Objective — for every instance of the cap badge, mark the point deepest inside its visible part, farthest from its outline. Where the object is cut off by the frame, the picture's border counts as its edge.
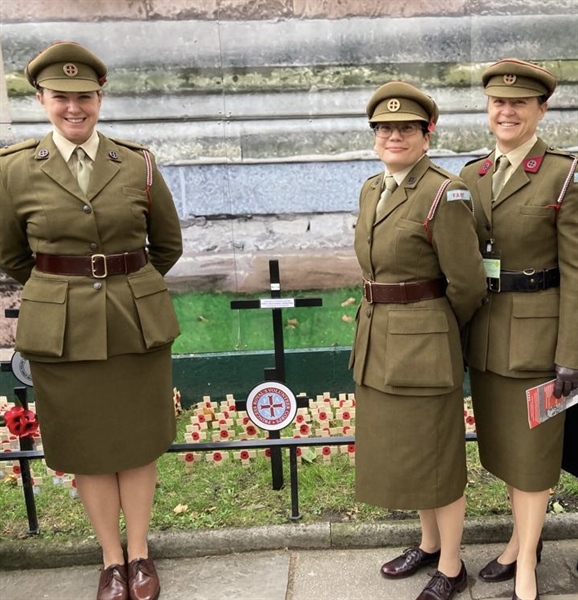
(510, 79)
(70, 70)
(393, 105)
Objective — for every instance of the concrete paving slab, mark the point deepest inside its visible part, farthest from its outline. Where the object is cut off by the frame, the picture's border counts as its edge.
(297, 574)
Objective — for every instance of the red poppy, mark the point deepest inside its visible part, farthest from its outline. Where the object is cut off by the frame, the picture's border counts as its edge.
(245, 420)
(217, 457)
(326, 451)
(351, 448)
(251, 430)
(224, 434)
(299, 452)
(470, 420)
(189, 457)
(244, 455)
(201, 418)
(268, 452)
(346, 416)
(305, 429)
(16, 470)
(20, 421)
(322, 416)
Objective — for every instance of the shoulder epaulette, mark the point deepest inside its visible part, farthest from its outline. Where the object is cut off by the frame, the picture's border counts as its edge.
(127, 144)
(477, 159)
(31, 143)
(559, 152)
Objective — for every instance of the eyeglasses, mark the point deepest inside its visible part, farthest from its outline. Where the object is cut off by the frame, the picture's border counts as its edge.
(385, 130)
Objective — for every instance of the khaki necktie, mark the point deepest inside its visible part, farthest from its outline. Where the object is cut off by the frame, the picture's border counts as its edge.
(390, 185)
(83, 168)
(499, 176)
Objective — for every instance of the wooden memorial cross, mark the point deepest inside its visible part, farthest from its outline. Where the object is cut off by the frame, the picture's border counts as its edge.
(276, 304)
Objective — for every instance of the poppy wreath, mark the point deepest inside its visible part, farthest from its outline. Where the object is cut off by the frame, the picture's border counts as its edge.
(21, 421)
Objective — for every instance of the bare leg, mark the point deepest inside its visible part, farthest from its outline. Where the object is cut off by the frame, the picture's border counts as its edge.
(450, 522)
(430, 535)
(510, 553)
(100, 497)
(137, 490)
(529, 514)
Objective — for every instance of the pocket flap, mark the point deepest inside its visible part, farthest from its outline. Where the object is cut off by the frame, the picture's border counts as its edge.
(535, 305)
(410, 322)
(147, 285)
(45, 290)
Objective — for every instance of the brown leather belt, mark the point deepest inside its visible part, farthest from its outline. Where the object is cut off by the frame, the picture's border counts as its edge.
(403, 293)
(98, 266)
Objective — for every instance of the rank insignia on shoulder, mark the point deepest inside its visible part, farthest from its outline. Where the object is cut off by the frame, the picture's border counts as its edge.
(532, 164)
(485, 167)
(458, 195)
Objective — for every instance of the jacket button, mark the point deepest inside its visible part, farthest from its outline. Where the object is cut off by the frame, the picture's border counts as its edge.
(368, 312)
(97, 285)
(87, 209)
(93, 246)
(369, 239)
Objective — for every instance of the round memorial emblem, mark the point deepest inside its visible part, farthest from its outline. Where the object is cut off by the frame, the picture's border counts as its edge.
(271, 405)
(393, 105)
(21, 369)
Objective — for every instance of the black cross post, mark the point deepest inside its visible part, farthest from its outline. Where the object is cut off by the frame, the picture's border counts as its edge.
(276, 373)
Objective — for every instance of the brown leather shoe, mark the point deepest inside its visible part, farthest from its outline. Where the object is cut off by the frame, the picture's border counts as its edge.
(408, 563)
(143, 581)
(494, 571)
(112, 584)
(442, 587)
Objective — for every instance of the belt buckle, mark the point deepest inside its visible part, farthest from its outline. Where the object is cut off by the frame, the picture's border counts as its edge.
(93, 259)
(368, 294)
(492, 286)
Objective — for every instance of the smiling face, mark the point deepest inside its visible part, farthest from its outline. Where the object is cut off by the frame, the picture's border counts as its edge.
(398, 151)
(73, 114)
(514, 120)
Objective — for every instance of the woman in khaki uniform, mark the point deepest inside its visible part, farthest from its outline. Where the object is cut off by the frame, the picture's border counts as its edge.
(423, 280)
(90, 234)
(526, 334)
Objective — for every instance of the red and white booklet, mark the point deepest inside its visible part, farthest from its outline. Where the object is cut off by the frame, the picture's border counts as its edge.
(542, 404)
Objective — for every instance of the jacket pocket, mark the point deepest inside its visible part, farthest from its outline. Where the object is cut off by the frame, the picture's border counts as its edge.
(42, 317)
(534, 331)
(156, 314)
(418, 352)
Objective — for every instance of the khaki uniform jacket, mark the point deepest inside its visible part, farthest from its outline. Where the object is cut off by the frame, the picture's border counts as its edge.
(42, 209)
(415, 349)
(523, 334)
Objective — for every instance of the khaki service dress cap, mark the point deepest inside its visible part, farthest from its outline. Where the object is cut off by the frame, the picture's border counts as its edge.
(400, 101)
(513, 78)
(66, 67)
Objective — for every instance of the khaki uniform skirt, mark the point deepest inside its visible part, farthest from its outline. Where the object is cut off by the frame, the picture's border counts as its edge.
(410, 451)
(527, 459)
(107, 416)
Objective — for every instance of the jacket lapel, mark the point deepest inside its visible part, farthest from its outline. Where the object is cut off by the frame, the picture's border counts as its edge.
(106, 166)
(54, 166)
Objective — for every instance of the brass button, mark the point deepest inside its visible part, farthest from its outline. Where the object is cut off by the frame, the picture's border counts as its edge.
(97, 285)
(87, 209)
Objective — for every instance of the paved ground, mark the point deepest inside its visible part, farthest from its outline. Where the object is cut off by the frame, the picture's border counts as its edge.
(320, 562)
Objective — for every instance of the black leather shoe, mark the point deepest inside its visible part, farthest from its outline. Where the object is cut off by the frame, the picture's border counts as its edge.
(112, 584)
(495, 571)
(442, 587)
(408, 563)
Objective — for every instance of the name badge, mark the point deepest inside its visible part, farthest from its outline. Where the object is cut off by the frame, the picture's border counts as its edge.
(458, 195)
